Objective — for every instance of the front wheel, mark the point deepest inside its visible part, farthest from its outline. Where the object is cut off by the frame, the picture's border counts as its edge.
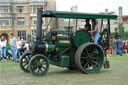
(39, 65)
(24, 60)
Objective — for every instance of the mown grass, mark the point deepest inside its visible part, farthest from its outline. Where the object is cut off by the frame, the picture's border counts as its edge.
(11, 74)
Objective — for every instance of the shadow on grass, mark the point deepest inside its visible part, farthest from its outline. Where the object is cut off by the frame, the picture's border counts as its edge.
(74, 72)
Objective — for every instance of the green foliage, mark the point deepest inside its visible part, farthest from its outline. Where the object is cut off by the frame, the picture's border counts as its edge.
(28, 38)
(121, 29)
(124, 37)
(113, 33)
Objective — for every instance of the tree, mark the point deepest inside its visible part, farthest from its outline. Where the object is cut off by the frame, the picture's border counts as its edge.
(28, 38)
(121, 29)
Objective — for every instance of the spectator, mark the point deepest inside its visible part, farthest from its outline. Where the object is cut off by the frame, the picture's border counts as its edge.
(23, 47)
(18, 46)
(125, 47)
(3, 43)
(127, 44)
(120, 46)
(23, 42)
(13, 46)
(114, 45)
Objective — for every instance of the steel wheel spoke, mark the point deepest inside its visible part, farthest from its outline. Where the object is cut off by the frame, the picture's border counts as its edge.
(40, 70)
(91, 64)
(84, 54)
(86, 64)
(96, 58)
(37, 62)
(25, 64)
(82, 62)
(94, 62)
(87, 51)
(27, 67)
(83, 57)
(43, 67)
(35, 67)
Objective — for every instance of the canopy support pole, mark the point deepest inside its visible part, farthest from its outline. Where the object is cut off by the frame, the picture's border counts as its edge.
(76, 25)
(101, 26)
(109, 26)
(69, 27)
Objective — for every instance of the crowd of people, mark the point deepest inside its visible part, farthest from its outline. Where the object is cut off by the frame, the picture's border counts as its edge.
(118, 46)
(17, 47)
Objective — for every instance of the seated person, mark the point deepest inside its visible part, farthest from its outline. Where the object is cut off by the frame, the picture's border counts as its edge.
(23, 47)
(88, 25)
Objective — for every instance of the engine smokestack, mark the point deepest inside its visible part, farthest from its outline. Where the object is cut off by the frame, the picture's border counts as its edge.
(39, 24)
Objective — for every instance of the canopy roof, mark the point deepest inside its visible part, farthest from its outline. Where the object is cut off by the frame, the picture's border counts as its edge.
(77, 15)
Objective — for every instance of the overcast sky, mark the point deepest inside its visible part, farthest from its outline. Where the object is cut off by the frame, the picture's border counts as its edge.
(93, 6)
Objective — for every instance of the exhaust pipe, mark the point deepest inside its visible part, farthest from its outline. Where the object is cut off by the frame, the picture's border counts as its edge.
(39, 24)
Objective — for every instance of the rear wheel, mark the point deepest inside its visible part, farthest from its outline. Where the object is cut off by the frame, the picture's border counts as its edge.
(89, 57)
(39, 65)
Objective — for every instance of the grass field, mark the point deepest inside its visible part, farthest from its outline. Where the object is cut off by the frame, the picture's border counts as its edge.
(11, 74)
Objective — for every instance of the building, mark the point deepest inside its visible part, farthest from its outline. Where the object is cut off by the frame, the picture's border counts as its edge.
(125, 22)
(121, 19)
(19, 16)
(75, 24)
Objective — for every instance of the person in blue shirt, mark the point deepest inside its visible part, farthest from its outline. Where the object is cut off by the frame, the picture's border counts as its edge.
(95, 31)
(120, 46)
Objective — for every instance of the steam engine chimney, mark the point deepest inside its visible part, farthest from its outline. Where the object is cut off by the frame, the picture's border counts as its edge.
(106, 11)
(120, 9)
(39, 24)
(74, 9)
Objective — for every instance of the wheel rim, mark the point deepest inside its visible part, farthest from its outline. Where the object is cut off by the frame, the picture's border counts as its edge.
(24, 62)
(89, 58)
(39, 65)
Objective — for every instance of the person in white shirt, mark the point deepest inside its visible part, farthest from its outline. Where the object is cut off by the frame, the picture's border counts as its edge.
(3, 43)
(18, 46)
(23, 47)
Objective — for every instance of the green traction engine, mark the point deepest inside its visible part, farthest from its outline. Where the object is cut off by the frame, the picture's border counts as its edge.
(63, 49)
